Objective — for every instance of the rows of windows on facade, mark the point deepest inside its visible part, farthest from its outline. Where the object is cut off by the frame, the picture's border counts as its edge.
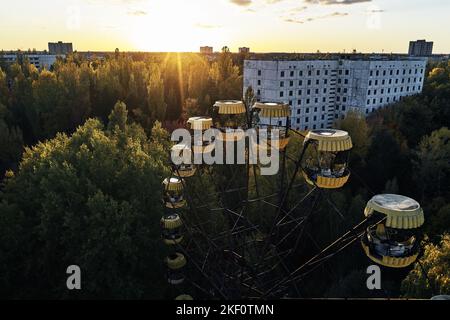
(40, 59)
(321, 92)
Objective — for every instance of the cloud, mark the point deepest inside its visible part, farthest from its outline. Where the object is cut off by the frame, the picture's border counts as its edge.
(242, 3)
(331, 2)
(311, 19)
(138, 13)
(207, 26)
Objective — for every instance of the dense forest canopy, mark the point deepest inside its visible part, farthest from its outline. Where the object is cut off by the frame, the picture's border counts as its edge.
(84, 148)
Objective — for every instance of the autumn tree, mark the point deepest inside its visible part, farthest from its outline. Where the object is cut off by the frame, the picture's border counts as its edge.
(431, 276)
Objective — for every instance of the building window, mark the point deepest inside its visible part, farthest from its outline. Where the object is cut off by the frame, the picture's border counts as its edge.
(292, 73)
(282, 74)
(259, 73)
(281, 84)
(300, 83)
(259, 82)
(281, 94)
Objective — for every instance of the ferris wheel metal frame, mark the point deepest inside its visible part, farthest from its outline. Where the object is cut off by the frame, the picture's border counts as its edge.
(232, 257)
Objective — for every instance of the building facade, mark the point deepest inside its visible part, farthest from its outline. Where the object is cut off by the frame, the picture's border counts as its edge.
(206, 50)
(244, 50)
(60, 48)
(40, 61)
(321, 92)
(420, 48)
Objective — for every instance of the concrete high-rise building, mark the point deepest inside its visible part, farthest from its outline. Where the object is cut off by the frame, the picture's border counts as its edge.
(206, 50)
(244, 50)
(323, 91)
(39, 60)
(60, 48)
(420, 48)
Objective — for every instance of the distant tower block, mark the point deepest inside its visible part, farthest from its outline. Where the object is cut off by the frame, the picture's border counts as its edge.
(244, 50)
(60, 48)
(420, 48)
(206, 50)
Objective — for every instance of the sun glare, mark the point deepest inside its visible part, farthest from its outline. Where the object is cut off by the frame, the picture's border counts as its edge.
(167, 29)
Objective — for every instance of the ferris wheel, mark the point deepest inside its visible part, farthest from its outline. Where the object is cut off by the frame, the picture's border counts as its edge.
(234, 233)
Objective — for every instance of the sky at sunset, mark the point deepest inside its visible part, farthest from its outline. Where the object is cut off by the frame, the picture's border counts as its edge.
(263, 25)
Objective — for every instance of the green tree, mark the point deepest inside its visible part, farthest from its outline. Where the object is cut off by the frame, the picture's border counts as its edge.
(385, 161)
(91, 199)
(11, 146)
(355, 124)
(46, 93)
(433, 164)
(414, 119)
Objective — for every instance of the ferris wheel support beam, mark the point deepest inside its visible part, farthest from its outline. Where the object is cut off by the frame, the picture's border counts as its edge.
(336, 247)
